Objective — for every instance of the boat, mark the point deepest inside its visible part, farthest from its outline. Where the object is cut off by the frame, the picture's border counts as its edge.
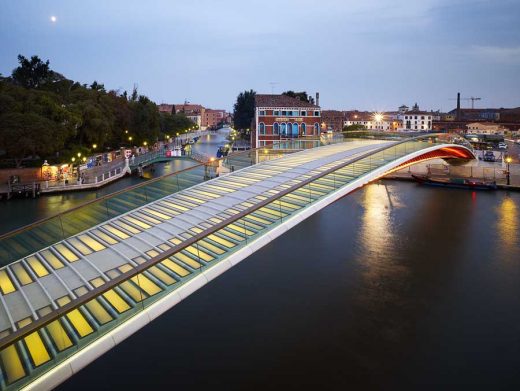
(457, 183)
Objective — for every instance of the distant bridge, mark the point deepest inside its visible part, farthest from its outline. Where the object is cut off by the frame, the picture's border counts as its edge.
(69, 302)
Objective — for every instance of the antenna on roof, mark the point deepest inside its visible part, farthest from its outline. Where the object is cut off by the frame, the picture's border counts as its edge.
(273, 83)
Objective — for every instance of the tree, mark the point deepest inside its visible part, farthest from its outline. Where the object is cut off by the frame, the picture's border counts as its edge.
(31, 73)
(145, 122)
(244, 109)
(300, 95)
(353, 128)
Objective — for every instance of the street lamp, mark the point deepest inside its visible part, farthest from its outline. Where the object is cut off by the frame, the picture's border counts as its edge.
(79, 154)
(73, 159)
(130, 138)
(508, 173)
(145, 143)
(94, 146)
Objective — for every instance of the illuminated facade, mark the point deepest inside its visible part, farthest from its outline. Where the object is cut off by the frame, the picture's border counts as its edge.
(279, 117)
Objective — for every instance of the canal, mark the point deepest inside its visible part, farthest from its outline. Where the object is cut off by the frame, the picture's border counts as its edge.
(395, 286)
(16, 213)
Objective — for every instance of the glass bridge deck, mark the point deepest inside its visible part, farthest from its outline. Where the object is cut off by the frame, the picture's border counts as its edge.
(79, 288)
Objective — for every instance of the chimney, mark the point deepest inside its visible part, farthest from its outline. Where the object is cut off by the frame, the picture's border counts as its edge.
(317, 98)
(458, 106)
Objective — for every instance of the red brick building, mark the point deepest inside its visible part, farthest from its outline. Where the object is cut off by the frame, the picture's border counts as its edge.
(279, 117)
(211, 118)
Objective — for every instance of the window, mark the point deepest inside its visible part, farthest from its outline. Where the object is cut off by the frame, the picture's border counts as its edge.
(303, 128)
(304, 113)
(276, 112)
(261, 112)
(284, 112)
(284, 129)
(316, 128)
(295, 129)
(316, 113)
(422, 117)
(261, 128)
(415, 117)
(276, 128)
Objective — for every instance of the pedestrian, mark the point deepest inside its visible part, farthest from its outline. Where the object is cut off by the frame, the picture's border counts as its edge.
(133, 158)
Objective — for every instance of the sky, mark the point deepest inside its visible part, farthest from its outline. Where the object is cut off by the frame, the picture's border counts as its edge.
(369, 55)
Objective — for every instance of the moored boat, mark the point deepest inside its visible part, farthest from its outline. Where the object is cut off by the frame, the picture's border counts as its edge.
(457, 183)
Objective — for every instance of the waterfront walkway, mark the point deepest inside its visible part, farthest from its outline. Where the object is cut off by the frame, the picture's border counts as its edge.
(70, 302)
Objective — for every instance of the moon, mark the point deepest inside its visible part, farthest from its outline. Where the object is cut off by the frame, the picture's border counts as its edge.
(53, 19)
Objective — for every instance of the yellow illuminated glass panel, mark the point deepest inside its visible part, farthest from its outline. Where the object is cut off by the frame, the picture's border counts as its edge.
(60, 338)
(37, 267)
(222, 241)
(146, 284)
(177, 269)
(92, 243)
(132, 291)
(37, 350)
(74, 242)
(139, 223)
(128, 227)
(116, 301)
(187, 260)
(176, 241)
(147, 218)
(24, 322)
(199, 253)
(21, 274)
(164, 246)
(176, 206)
(63, 301)
(79, 323)
(97, 282)
(6, 285)
(241, 229)
(197, 230)
(67, 254)
(210, 247)
(166, 209)
(52, 259)
(98, 311)
(116, 232)
(103, 236)
(161, 276)
(12, 364)
(231, 235)
(152, 253)
(158, 214)
(125, 268)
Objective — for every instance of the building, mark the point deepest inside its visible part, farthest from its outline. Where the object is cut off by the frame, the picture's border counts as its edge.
(332, 120)
(415, 120)
(485, 128)
(211, 118)
(474, 115)
(383, 122)
(165, 108)
(279, 117)
(194, 112)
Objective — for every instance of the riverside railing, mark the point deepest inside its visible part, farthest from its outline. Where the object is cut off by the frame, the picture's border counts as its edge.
(39, 345)
(33, 237)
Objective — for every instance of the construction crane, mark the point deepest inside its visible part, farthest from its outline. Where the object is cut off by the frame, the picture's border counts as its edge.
(472, 99)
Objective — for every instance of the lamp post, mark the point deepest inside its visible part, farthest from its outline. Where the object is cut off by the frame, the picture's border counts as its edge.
(508, 173)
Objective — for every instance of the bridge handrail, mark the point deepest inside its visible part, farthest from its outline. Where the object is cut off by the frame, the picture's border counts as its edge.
(105, 198)
(45, 320)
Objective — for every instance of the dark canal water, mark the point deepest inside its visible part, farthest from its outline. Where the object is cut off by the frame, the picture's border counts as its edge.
(395, 286)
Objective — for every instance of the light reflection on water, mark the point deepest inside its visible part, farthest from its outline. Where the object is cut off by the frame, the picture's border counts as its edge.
(507, 225)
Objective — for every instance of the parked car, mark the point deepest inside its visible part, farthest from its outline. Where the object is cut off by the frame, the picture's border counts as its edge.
(502, 145)
(489, 156)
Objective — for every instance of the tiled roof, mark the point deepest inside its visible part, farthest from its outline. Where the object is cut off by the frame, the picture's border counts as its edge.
(264, 100)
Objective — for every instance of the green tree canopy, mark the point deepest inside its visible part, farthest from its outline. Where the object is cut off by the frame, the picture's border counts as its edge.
(244, 109)
(300, 95)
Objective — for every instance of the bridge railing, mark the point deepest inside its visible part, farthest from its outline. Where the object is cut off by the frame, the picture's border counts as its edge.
(33, 237)
(36, 346)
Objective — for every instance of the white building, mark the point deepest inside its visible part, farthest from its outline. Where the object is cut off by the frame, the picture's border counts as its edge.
(416, 121)
(485, 128)
(376, 121)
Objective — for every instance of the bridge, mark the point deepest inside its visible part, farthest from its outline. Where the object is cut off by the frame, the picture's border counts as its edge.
(73, 287)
